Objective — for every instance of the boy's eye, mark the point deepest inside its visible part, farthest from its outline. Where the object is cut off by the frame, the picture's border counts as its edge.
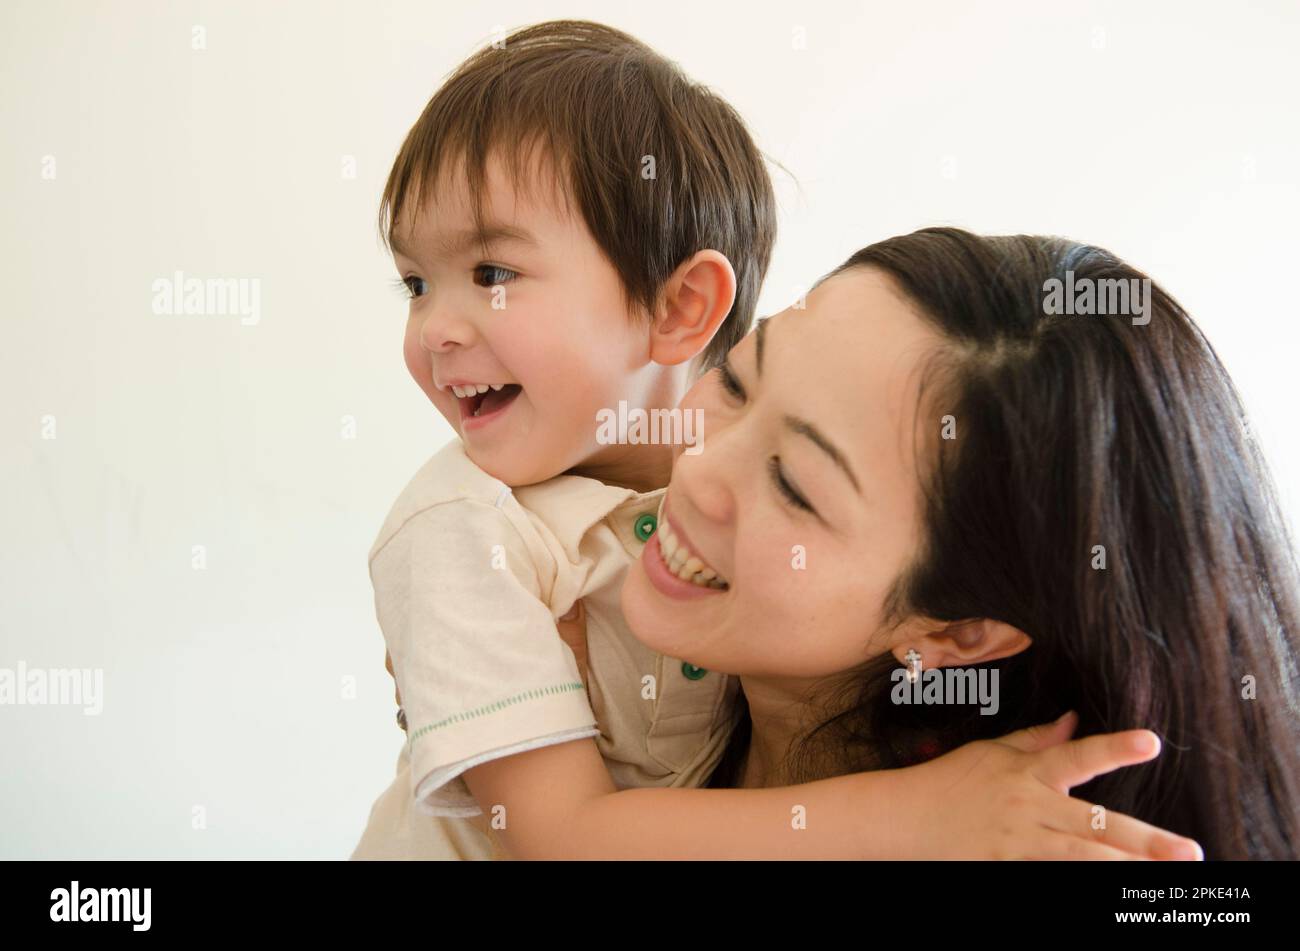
(412, 286)
(489, 275)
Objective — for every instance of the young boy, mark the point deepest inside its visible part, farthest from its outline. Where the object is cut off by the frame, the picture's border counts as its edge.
(580, 227)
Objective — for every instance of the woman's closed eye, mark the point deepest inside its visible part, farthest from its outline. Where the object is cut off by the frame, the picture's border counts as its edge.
(792, 496)
(730, 383)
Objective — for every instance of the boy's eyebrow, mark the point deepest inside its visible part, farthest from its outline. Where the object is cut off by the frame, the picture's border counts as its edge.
(457, 242)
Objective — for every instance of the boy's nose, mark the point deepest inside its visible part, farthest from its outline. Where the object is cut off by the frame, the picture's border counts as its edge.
(443, 331)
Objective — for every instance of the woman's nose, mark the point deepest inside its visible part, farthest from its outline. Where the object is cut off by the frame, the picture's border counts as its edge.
(707, 480)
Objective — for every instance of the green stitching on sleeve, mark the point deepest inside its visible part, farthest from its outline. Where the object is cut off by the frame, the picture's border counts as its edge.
(494, 707)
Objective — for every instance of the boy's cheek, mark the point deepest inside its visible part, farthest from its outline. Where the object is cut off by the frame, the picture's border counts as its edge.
(421, 370)
(417, 361)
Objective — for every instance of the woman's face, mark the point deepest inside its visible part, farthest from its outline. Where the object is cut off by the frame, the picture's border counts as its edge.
(804, 497)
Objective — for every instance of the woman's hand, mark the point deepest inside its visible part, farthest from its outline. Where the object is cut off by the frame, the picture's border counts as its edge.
(573, 631)
(1009, 799)
(388, 665)
(397, 693)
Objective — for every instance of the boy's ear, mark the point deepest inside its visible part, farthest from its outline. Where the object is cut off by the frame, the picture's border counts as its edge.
(960, 643)
(695, 300)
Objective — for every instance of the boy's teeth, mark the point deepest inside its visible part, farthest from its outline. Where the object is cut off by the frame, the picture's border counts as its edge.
(474, 389)
(682, 562)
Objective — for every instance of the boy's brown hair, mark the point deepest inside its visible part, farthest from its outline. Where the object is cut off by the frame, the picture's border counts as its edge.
(600, 109)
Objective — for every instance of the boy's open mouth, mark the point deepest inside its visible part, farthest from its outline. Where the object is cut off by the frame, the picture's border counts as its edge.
(484, 404)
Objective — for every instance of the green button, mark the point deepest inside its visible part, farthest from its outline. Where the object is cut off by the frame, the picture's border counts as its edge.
(645, 526)
(692, 672)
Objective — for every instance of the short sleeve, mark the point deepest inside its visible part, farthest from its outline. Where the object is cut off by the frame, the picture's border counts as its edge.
(482, 670)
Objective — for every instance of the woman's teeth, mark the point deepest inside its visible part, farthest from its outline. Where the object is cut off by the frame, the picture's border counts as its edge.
(473, 389)
(683, 562)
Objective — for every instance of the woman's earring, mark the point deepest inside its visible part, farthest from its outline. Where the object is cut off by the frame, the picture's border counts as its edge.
(913, 665)
(401, 719)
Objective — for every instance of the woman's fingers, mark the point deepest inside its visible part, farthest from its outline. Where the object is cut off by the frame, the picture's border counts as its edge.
(1072, 764)
(1120, 832)
(573, 631)
(1035, 738)
(1068, 848)
(1096, 833)
(388, 665)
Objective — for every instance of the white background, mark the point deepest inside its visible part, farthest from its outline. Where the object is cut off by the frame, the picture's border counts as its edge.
(1166, 132)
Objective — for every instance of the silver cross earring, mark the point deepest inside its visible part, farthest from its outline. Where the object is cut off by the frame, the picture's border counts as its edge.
(913, 665)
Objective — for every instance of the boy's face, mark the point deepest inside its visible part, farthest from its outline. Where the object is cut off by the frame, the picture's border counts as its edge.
(541, 314)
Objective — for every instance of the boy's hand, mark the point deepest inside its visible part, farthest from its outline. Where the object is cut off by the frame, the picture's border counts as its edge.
(1008, 799)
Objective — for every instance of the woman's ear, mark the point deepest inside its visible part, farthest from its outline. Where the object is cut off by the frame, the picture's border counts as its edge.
(958, 643)
(696, 299)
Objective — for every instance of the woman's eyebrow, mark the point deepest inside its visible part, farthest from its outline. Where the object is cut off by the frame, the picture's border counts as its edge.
(804, 428)
(801, 426)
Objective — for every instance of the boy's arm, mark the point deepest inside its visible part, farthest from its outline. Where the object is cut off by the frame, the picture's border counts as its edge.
(1003, 798)
(478, 666)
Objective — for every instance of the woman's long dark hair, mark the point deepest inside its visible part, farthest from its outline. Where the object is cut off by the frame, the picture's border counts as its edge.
(1074, 432)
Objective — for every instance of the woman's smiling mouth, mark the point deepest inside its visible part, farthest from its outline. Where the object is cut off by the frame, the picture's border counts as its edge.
(674, 567)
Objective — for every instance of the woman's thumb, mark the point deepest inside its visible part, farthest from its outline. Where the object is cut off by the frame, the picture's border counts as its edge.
(1035, 738)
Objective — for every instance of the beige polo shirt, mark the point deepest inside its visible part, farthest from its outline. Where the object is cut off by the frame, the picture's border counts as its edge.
(469, 579)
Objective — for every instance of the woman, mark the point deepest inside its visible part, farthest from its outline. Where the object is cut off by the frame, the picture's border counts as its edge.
(931, 465)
